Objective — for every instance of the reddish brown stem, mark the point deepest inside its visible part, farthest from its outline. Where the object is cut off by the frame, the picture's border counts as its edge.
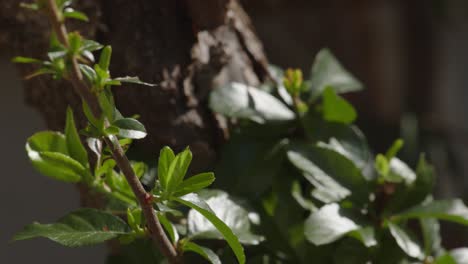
(76, 78)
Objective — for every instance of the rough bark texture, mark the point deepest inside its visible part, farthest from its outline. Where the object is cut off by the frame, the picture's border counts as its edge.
(188, 47)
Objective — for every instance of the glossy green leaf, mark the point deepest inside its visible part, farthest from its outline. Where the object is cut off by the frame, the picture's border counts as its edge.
(366, 235)
(241, 101)
(328, 225)
(135, 80)
(194, 202)
(71, 13)
(166, 156)
(206, 253)
(130, 128)
(178, 169)
(74, 145)
(79, 228)
(195, 183)
(327, 71)
(406, 243)
(333, 175)
(88, 72)
(337, 109)
(91, 45)
(450, 210)
(237, 218)
(327, 189)
(49, 155)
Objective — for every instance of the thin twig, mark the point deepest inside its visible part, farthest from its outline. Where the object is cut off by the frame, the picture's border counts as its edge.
(145, 199)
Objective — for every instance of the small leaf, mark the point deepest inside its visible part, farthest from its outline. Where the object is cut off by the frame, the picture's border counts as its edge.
(305, 203)
(20, 59)
(104, 60)
(91, 45)
(406, 243)
(166, 156)
(327, 71)
(430, 228)
(71, 13)
(136, 80)
(79, 228)
(169, 227)
(394, 149)
(449, 210)
(195, 183)
(178, 169)
(75, 147)
(447, 259)
(382, 165)
(89, 73)
(337, 109)
(130, 128)
(192, 201)
(328, 225)
(240, 101)
(207, 253)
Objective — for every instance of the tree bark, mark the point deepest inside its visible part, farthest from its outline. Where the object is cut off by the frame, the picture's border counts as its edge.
(187, 47)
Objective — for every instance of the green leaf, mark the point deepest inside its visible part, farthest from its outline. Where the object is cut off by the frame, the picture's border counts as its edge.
(49, 155)
(71, 13)
(305, 203)
(91, 45)
(130, 128)
(366, 235)
(382, 165)
(74, 145)
(394, 149)
(327, 189)
(89, 73)
(104, 60)
(194, 202)
(337, 109)
(75, 41)
(136, 80)
(169, 227)
(79, 228)
(207, 253)
(406, 243)
(231, 213)
(327, 71)
(20, 59)
(400, 172)
(166, 156)
(240, 101)
(177, 170)
(430, 228)
(328, 225)
(449, 210)
(195, 183)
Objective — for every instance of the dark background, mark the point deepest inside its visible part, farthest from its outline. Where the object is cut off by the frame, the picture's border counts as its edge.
(411, 55)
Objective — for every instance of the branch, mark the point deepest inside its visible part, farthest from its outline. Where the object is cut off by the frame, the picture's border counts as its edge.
(76, 78)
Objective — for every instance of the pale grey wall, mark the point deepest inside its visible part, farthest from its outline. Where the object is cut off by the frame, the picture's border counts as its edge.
(26, 196)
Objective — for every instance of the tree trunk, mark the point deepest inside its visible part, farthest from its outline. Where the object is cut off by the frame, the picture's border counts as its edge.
(187, 47)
